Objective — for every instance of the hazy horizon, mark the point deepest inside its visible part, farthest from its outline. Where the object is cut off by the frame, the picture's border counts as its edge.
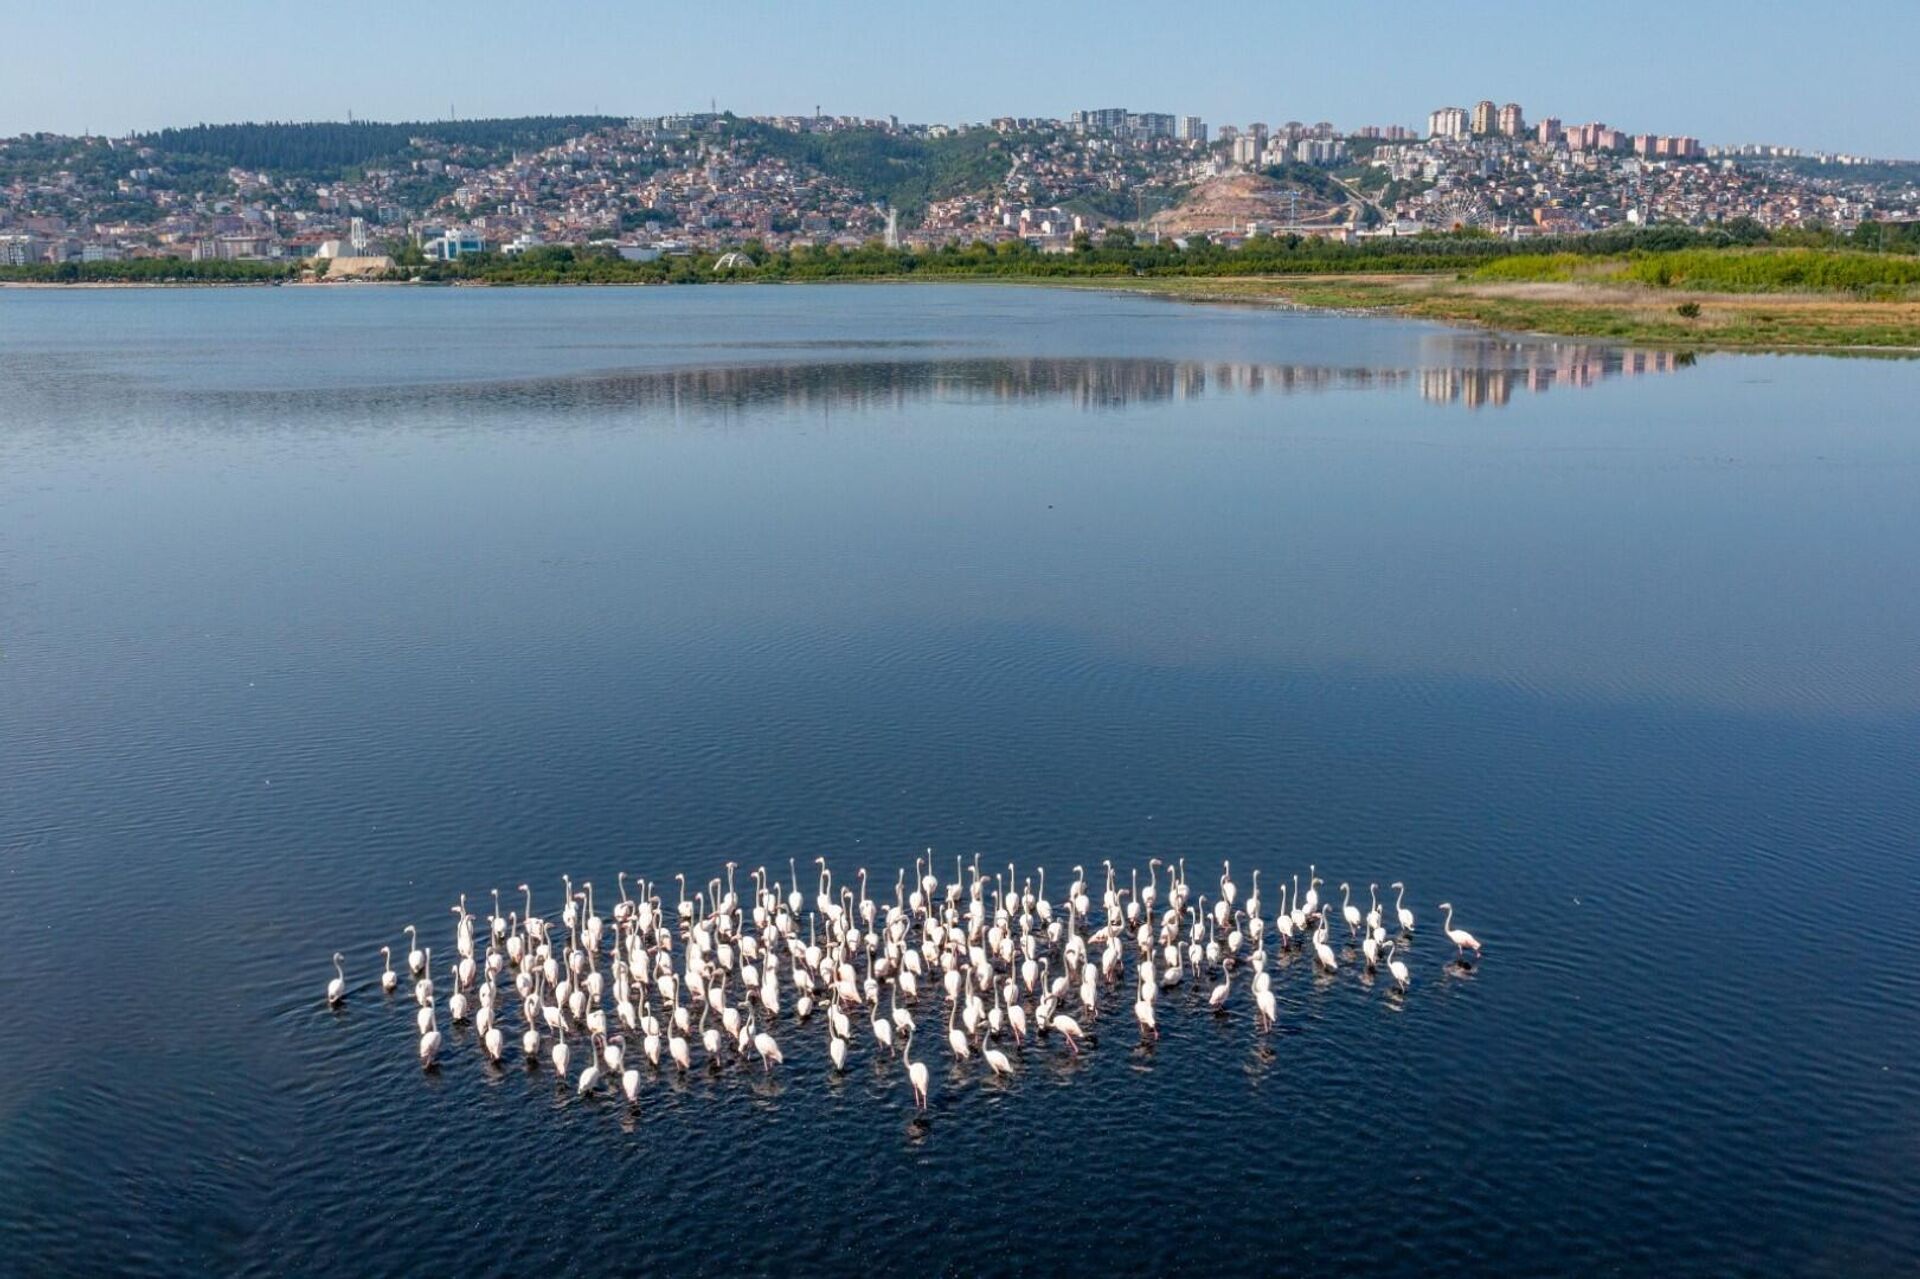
(1720, 75)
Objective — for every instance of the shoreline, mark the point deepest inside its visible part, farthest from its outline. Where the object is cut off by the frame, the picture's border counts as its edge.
(1781, 323)
(145, 284)
(1756, 323)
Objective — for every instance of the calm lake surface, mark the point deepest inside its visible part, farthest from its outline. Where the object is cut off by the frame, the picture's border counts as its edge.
(319, 608)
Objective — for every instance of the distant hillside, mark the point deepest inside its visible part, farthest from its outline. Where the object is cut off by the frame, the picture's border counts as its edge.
(906, 172)
(322, 150)
(1880, 172)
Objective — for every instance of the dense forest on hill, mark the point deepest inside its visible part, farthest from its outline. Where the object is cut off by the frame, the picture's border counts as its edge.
(324, 150)
(906, 172)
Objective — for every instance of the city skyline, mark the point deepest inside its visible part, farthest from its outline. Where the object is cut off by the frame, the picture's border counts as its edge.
(871, 60)
(1510, 120)
(357, 200)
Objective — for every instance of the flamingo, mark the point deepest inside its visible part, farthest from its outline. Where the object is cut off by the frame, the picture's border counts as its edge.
(1349, 911)
(389, 980)
(1397, 968)
(1322, 952)
(423, 989)
(956, 1038)
(765, 1045)
(916, 1072)
(337, 988)
(1143, 1011)
(429, 1047)
(590, 1075)
(1406, 916)
(1463, 940)
(536, 927)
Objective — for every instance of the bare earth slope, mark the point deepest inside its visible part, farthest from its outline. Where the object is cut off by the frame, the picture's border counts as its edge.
(1230, 202)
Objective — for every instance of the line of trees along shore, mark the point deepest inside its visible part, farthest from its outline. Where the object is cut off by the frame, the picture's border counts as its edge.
(152, 271)
(1873, 258)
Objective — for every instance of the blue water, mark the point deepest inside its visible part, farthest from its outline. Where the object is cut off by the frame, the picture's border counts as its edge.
(321, 607)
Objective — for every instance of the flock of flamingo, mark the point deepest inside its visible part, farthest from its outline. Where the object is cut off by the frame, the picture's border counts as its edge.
(1009, 961)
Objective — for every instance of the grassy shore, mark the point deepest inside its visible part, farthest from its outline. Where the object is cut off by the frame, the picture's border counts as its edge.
(1740, 298)
(1617, 310)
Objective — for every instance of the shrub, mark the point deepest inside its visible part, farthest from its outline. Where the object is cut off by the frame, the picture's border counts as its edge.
(1777, 270)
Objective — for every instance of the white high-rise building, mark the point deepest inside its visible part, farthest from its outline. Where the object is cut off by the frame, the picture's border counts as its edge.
(1447, 122)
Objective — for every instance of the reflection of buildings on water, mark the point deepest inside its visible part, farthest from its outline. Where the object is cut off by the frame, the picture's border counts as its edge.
(1102, 383)
(1488, 372)
(1092, 383)
(1472, 372)
(1087, 383)
(1534, 367)
(1285, 379)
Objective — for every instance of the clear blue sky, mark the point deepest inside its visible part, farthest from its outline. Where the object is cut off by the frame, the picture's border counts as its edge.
(1839, 76)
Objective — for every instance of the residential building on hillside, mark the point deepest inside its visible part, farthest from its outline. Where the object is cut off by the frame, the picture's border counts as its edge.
(711, 183)
(1100, 120)
(454, 244)
(1447, 122)
(1149, 124)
